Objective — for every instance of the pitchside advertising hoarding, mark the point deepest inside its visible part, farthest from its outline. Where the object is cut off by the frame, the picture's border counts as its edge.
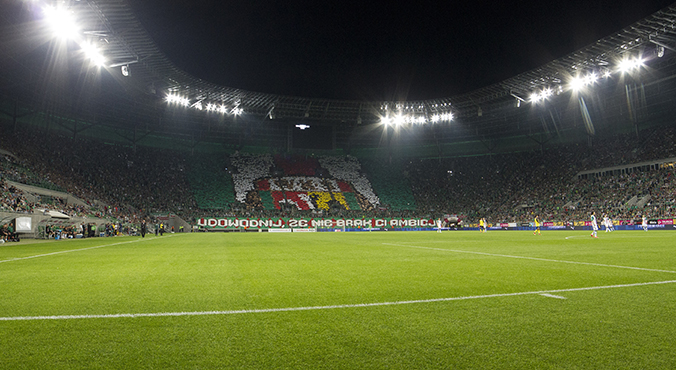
(283, 224)
(316, 223)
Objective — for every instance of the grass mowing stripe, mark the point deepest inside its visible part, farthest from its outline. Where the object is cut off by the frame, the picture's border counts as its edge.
(532, 258)
(70, 250)
(547, 293)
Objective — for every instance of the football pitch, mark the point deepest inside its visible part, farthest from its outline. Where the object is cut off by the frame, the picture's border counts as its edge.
(395, 300)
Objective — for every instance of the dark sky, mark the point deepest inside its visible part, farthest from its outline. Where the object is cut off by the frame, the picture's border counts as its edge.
(376, 50)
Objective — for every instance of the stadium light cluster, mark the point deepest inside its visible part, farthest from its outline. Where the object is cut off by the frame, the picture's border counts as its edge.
(63, 25)
(416, 119)
(93, 53)
(61, 22)
(175, 99)
(580, 82)
(541, 95)
(628, 65)
(201, 105)
(415, 114)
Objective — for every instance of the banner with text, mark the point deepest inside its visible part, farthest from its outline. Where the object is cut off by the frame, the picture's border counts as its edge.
(319, 223)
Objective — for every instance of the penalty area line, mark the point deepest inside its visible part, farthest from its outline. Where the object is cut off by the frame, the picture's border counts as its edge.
(547, 293)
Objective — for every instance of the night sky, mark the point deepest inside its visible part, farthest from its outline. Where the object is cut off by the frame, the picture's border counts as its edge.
(376, 50)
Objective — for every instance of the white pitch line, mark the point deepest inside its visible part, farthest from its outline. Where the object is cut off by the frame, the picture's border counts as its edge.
(315, 308)
(533, 258)
(623, 236)
(552, 296)
(69, 251)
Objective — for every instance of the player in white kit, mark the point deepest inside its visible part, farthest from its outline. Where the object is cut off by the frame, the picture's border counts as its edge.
(595, 225)
(644, 223)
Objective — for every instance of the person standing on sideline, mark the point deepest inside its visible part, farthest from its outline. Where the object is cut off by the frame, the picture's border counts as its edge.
(606, 222)
(144, 229)
(537, 223)
(438, 225)
(481, 225)
(644, 223)
(595, 225)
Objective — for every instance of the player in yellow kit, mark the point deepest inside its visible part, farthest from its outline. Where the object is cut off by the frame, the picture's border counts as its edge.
(537, 223)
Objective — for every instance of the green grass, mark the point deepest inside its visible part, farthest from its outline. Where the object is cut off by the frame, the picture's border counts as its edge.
(622, 327)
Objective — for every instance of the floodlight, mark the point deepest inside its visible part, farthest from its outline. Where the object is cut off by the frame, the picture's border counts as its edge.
(638, 63)
(576, 84)
(125, 71)
(302, 126)
(171, 98)
(436, 118)
(627, 65)
(385, 121)
(61, 22)
(93, 54)
(237, 111)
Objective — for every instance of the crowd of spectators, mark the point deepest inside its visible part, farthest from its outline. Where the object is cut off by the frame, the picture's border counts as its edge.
(126, 183)
(13, 199)
(132, 184)
(210, 182)
(515, 187)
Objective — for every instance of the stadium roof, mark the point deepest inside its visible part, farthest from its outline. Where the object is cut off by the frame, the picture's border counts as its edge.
(113, 27)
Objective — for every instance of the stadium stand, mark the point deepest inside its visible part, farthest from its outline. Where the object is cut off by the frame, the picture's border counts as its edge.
(391, 184)
(325, 184)
(132, 184)
(211, 185)
(513, 187)
(136, 147)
